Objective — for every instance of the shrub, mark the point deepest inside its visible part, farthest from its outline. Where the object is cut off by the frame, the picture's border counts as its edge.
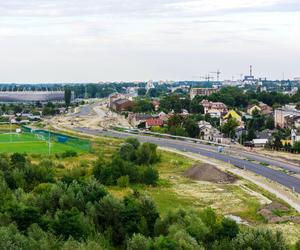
(69, 153)
(123, 181)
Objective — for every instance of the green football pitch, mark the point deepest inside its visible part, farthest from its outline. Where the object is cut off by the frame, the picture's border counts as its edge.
(29, 143)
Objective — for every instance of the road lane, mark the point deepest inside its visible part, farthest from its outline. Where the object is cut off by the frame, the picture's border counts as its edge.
(274, 175)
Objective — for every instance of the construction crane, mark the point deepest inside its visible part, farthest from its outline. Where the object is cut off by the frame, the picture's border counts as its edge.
(207, 77)
(218, 73)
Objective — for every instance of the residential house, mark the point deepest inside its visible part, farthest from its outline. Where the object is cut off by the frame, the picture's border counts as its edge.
(233, 114)
(138, 119)
(154, 122)
(121, 105)
(156, 104)
(295, 136)
(114, 97)
(163, 116)
(265, 109)
(215, 109)
(252, 108)
(209, 133)
(259, 142)
(261, 107)
(265, 134)
(184, 112)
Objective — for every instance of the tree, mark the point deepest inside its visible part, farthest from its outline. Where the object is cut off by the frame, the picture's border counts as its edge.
(142, 92)
(251, 134)
(147, 154)
(296, 146)
(229, 127)
(139, 242)
(70, 223)
(164, 243)
(229, 229)
(270, 124)
(142, 106)
(149, 175)
(127, 152)
(18, 160)
(123, 181)
(196, 107)
(175, 121)
(153, 92)
(133, 141)
(192, 128)
(297, 247)
(259, 239)
(68, 96)
(277, 141)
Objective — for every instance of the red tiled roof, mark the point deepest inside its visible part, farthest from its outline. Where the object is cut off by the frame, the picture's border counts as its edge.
(154, 122)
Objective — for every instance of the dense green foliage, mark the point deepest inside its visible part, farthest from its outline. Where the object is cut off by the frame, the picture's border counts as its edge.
(45, 207)
(235, 97)
(133, 161)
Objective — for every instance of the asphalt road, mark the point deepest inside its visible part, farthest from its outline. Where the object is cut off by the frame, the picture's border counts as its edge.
(211, 152)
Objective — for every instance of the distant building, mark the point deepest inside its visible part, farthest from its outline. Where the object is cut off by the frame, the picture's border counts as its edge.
(149, 85)
(121, 105)
(265, 134)
(209, 133)
(154, 122)
(252, 108)
(265, 109)
(33, 96)
(215, 109)
(202, 92)
(114, 97)
(261, 107)
(259, 142)
(285, 116)
(156, 104)
(137, 119)
(295, 136)
(233, 114)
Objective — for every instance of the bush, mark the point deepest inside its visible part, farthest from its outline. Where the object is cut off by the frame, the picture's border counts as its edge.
(123, 181)
(133, 141)
(139, 242)
(69, 153)
(147, 154)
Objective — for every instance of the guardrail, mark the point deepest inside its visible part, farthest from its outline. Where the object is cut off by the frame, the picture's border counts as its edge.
(183, 138)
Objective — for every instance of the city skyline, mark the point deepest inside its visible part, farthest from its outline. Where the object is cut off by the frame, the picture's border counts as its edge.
(101, 40)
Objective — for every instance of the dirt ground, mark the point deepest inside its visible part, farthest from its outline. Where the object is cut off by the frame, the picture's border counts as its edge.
(275, 213)
(207, 172)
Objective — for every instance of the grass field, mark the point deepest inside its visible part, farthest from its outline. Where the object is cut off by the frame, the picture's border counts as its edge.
(28, 143)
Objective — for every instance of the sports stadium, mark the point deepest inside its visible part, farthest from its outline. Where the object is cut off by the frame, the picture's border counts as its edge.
(31, 96)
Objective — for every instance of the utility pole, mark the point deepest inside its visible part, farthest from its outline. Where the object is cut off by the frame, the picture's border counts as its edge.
(10, 131)
(49, 141)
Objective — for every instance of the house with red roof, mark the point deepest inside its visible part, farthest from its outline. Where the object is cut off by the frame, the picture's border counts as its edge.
(153, 122)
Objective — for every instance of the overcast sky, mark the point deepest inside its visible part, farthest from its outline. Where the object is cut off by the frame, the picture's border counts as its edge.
(123, 40)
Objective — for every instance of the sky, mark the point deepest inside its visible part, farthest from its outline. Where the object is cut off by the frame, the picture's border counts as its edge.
(127, 40)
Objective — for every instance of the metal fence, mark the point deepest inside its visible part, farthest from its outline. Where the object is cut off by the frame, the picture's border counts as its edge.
(46, 135)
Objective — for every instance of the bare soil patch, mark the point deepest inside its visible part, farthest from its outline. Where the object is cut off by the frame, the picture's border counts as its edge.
(207, 172)
(276, 213)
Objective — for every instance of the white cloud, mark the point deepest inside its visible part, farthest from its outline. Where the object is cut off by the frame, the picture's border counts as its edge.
(96, 40)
